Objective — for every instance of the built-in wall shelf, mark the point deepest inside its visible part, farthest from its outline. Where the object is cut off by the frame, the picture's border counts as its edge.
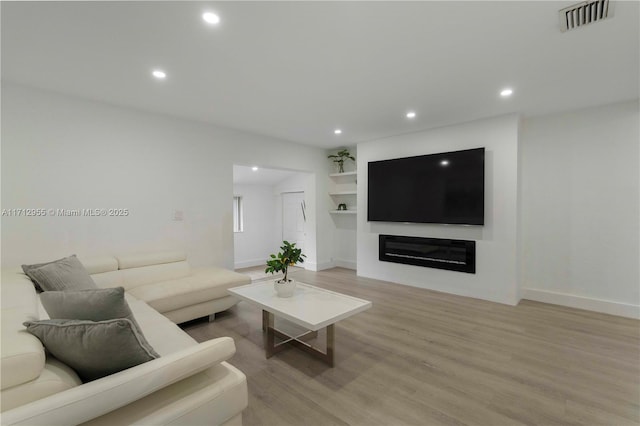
(343, 193)
(353, 173)
(343, 189)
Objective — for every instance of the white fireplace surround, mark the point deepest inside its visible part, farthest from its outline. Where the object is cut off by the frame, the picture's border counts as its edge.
(496, 276)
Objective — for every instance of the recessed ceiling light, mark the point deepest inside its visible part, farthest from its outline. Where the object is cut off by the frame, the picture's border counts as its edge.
(506, 93)
(159, 74)
(254, 168)
(444, 163)
(337, 131)
(411, 114)
(211, 18)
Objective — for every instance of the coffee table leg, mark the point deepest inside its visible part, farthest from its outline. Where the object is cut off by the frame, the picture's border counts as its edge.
(269, 335)
(331, 333)
(270, 347)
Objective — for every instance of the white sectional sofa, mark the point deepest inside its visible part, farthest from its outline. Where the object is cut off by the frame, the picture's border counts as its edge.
(166, 281)
(190, 384)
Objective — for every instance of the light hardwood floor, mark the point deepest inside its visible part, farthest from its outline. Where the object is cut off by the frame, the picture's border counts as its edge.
(419, 357)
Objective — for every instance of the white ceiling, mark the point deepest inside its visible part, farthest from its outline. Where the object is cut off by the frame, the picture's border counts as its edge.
(297, 70)
(246, 176)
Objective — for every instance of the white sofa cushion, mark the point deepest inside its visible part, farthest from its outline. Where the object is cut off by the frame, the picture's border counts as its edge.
(205, 284)
(22, 354)
(55, 377)
(100, 264)
(83, 403)
(201, 309)
(18, 292)
(109, 279)
(137, 260)
(135, 277)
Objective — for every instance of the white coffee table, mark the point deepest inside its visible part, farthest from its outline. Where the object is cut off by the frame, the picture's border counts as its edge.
(310, 307)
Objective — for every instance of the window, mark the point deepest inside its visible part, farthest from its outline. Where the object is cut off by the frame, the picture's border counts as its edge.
(237, 214)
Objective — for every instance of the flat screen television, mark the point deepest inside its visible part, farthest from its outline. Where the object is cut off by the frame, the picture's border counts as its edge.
(439, 188)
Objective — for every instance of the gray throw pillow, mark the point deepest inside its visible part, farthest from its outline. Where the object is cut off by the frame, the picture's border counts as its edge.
(93, 349)
(91, 305)
(59, 275)
(27, 268)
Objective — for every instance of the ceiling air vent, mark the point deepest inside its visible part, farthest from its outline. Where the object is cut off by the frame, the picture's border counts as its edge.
(584, 13)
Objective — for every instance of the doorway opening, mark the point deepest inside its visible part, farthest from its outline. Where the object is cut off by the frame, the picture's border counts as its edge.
(271, 206)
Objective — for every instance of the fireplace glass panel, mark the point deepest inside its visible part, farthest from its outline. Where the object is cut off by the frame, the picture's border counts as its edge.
(455, 255)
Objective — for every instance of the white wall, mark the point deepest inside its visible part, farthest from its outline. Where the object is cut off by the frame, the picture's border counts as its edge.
(63, 152)
(581, 214)
(345, 241)
(253, 245)
(496, 276)
(296, 183)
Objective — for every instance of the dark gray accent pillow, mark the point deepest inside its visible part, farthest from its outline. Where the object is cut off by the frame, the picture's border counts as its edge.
(91, 305)
(59, 275)
(93, 349)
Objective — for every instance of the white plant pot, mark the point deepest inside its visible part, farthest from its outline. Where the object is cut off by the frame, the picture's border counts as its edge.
(284, 289)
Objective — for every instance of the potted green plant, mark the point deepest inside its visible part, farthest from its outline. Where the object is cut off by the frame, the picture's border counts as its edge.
(340, 157)
(289, 255)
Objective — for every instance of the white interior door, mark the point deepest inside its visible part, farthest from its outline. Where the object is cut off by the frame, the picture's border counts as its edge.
(293, 218)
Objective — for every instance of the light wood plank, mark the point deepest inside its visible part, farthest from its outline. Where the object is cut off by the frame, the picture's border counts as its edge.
(420, 357)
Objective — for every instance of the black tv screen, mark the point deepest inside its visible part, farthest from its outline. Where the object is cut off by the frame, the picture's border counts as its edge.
(437, 188)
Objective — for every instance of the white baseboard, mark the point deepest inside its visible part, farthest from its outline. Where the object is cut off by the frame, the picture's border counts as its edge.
(348, 264)
(319, 266)
(249, 263)
(581, 302)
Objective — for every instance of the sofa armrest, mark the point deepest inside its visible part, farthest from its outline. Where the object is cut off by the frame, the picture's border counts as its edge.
(101, 396)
